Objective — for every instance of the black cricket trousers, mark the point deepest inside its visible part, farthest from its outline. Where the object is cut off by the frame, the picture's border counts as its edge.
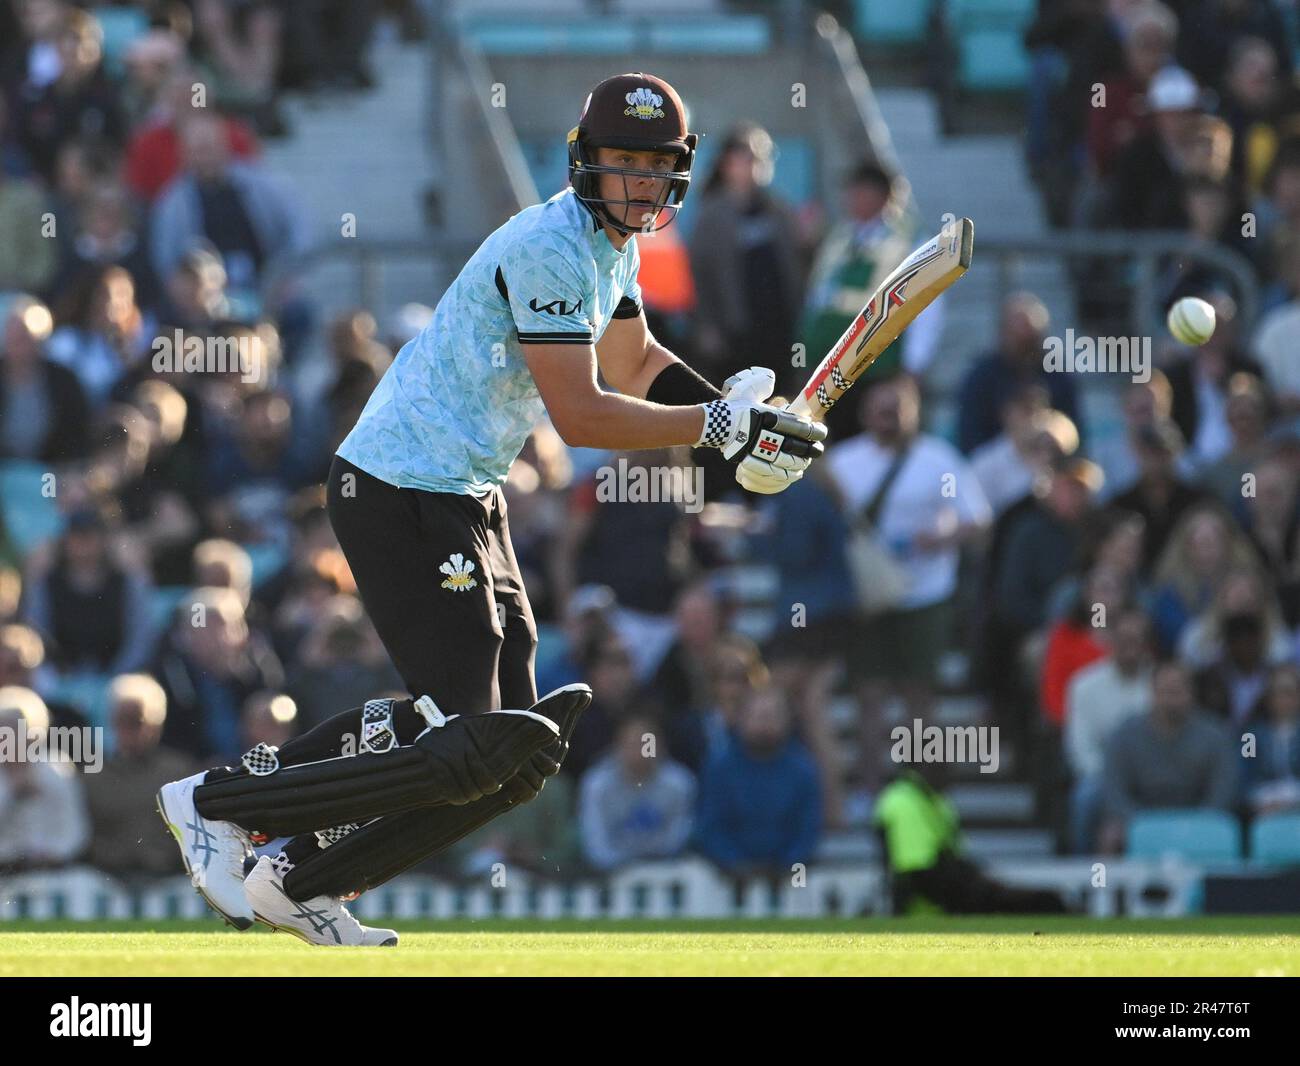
(438, 576)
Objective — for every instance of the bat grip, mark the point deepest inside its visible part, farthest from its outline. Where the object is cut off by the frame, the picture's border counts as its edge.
(799, 406)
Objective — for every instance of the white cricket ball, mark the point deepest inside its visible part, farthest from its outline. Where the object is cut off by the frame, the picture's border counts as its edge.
(1191, 321)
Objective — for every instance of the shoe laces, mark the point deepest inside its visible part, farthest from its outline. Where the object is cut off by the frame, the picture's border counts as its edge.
(334, 906)
(234, 849)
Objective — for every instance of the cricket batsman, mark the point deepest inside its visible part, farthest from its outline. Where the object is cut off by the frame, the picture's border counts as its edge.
(415, 499)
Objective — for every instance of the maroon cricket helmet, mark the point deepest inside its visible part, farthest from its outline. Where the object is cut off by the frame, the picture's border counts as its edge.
(641, 113)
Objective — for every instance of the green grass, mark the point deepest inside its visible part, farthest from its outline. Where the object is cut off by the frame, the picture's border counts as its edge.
(960, 947)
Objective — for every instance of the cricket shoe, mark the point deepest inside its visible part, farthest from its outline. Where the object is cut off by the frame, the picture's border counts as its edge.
(321, 920)
(213, 851)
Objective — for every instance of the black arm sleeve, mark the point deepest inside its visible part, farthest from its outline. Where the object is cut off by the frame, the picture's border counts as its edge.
(677, 385)
(627, 308)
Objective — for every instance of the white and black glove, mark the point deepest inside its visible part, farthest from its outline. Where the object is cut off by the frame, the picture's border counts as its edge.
(772, 447)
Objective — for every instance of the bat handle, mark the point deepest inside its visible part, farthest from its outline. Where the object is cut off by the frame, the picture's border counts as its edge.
(799, 406)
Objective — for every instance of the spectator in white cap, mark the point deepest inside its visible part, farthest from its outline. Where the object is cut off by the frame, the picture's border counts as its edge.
(1274, 341)
(125, 840)
(1149, 32)
(1145, 184)
(43, 820)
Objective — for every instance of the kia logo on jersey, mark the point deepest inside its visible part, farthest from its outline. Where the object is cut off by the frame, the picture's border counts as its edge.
(555, 307)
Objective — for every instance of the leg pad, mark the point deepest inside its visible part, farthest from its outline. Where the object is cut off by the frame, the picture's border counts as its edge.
(378, 852)
(457, 761)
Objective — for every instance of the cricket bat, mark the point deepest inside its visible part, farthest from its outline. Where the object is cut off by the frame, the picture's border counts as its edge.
(908, 291)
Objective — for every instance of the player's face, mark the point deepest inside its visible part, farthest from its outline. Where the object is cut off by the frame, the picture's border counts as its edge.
(642, 192)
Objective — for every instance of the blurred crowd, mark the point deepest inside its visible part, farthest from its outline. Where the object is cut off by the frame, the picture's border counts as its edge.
(1177, 117)
(1184, 116)
(1124, 606)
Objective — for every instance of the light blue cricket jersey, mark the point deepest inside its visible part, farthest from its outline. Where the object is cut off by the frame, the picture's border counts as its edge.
(449, 417)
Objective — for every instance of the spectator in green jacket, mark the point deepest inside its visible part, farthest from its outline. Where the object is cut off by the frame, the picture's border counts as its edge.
(871, 238)
(27, 255)
(922, 838)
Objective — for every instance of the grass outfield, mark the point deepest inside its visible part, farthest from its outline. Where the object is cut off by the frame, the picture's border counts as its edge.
(1256, 946)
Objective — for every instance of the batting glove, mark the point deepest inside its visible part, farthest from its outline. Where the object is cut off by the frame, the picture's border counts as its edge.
(771, 446)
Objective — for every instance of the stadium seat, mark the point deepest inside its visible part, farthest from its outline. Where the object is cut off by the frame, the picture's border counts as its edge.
(86, 691)
(891, 21)
(521, 37)
(548, 163)
(30, 515)
(796, 169)
(163, 602)
(712, 35)
(729, 35)
(121, 26)
(551, 646)
(1020, 12)
(462, 12)
(992, 61)
(1275, 839)
(989, 34)
(1195, 835)
(267, 559)
(663, 9)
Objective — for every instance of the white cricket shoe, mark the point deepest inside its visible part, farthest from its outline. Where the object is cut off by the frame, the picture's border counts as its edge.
(213, 851)
(321, 920)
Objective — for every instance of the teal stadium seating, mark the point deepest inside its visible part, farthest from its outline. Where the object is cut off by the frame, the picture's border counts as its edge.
(727, 35)
(891, 21)
(31, 515)
(1290, 15)
(121, 26)
(989, 38)
(1275, 839)
(713, 35)
(522, 37)
(163, 602)
(1194, 835)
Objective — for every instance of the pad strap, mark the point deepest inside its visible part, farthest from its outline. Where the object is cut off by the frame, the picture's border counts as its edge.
(326, 837)
(377, 732)
(261, 760)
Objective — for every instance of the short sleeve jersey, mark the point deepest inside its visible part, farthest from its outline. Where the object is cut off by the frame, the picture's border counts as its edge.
(456, 406)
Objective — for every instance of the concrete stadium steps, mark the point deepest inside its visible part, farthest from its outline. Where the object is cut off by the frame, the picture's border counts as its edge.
(987, 844)
(993, 803)
(368, 154)
(983, 845)
(981, 176)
